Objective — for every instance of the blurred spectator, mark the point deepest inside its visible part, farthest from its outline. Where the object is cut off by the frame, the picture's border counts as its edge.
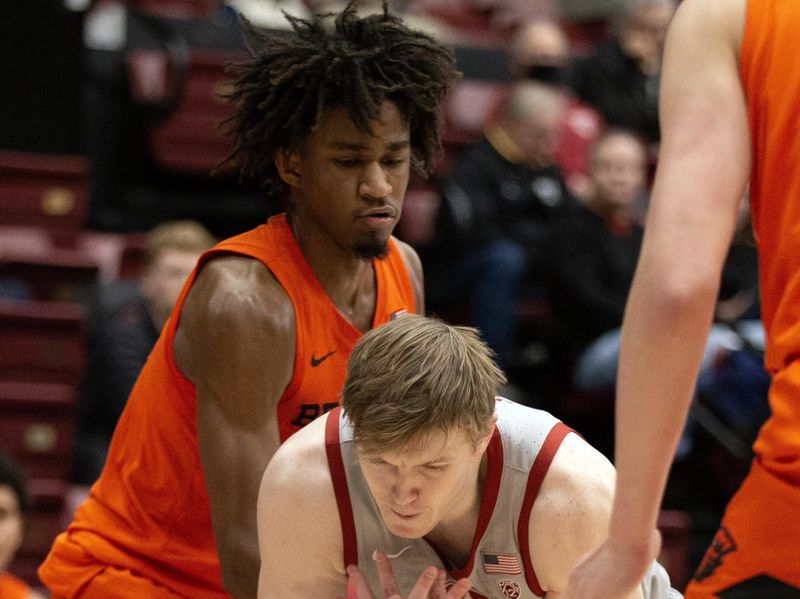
(483, 21)
(499, 200)
(592, 254)
(621, 79)
(125, 319)
(739, 285)
(540, 51)
(736, 384)
(14, 504)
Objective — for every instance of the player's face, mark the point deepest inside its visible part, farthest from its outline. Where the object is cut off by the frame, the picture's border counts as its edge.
(426, 484)
(10, 526)
(348, 186)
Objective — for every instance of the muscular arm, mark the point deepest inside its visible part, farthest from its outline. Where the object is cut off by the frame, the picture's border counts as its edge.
(703, 169)
(235, 342)
(570, 515)
(299, 531)
(414, 268)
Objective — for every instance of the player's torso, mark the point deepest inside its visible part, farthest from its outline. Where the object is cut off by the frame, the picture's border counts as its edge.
(497, 565)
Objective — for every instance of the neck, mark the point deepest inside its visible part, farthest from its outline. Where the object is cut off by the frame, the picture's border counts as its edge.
(349, 281)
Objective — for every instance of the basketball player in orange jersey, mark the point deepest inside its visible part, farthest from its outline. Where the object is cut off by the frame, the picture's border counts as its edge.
(730, 101)
(330, 118)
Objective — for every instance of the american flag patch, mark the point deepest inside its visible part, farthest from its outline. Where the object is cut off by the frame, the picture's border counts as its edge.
(397, 314)
(501, 563)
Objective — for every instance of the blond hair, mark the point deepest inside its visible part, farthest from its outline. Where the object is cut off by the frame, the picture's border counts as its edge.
(414, 376)
(180, 235)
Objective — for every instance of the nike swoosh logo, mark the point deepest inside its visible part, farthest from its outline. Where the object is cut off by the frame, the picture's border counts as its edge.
(317, 361)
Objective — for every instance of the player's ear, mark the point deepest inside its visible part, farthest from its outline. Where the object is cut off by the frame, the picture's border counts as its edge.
(483, 443)
(288, 164)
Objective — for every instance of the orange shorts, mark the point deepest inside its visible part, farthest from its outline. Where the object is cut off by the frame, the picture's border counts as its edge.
(756, 551)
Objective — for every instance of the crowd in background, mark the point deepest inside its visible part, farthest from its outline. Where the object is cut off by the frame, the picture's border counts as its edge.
(534, 229)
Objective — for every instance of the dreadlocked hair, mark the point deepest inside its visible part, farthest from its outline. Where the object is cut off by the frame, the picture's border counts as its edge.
(281, 91)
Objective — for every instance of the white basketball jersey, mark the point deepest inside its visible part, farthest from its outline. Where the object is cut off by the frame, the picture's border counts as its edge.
(519, 454)
(499, 564)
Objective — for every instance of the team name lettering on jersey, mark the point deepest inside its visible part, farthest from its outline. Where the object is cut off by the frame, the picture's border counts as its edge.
(309, 412)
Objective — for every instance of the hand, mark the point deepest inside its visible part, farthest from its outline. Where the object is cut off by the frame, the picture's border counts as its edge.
(612, 571)
(429, 585)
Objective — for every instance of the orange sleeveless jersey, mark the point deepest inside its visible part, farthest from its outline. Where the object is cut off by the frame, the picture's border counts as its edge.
(770, 73)
(12, 587)
(148, 514)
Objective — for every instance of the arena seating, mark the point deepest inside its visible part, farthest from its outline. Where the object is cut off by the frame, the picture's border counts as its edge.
(189, 139)
(46, 191)
(41, 358)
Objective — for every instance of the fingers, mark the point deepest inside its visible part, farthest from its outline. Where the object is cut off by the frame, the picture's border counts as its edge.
(431, 584)
(357, 586)
(439, 590)
(424, 583)
(459, 589)
(386, 575)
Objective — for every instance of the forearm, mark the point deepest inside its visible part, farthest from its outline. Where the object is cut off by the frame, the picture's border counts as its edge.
(663, 338)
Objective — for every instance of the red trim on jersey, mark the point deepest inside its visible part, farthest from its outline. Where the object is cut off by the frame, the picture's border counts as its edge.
(535, 477)
(491, 489)
(339, 478)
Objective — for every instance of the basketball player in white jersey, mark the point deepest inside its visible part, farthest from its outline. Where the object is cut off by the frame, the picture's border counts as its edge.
(426, 466)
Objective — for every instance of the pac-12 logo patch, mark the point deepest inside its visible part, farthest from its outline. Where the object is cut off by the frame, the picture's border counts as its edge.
(509, 588)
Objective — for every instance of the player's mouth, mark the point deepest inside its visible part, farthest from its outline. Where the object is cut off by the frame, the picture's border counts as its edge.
(404, 516)
(384, 214)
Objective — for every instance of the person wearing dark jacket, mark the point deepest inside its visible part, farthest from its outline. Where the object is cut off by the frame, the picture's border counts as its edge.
(591, 256)
(125, 319)
(621, 79)
(499, 201)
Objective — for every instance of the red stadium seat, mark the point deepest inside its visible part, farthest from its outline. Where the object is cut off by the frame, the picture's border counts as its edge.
(51, 274)
(189, 140)
(45, 191)
(176, 8)
(37, 427)
(41, 348)
(41, 359)
(41, 342)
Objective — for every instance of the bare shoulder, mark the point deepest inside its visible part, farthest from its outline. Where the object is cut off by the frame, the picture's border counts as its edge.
(298, 520)
(235, 305)
(299, 469)
(571, 514)
(236, 287)
(579, 483)
(414, 268)
(722, 19)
